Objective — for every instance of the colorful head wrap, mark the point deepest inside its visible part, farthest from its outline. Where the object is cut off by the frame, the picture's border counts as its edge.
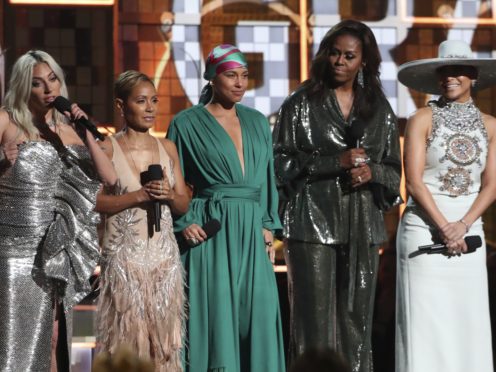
(222, 58)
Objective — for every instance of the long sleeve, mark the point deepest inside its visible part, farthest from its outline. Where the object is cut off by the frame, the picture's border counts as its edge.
(386, 174)
(296, 164)
(190, 217)
(269, 197)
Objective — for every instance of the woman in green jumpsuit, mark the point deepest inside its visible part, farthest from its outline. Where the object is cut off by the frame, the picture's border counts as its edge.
(225, 150)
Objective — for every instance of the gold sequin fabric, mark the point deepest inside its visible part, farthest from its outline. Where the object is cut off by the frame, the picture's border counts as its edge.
(48, 247)
(456, 148)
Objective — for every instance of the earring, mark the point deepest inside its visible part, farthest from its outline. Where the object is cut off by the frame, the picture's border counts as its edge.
(474, 83)
(360, 78)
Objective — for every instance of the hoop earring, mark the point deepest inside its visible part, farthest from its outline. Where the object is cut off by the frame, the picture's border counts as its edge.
(360, 78)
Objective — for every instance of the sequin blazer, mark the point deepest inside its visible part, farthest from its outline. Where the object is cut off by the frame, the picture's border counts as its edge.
(317, 203)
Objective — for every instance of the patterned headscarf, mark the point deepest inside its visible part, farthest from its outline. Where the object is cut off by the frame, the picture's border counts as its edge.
(222, 58)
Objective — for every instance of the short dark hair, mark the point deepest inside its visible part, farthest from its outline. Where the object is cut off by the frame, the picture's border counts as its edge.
(127, 81)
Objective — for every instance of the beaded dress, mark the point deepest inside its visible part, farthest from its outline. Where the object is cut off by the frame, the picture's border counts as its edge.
(48, 247)
(442, 300)
(141, 300)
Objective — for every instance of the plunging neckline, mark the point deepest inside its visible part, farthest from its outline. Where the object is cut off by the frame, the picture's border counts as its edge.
(137, 177)
(241, 164)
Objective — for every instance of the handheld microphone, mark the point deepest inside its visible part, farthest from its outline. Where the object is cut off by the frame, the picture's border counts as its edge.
(355, 132)
(154, 173)
(473, 242)
(211, 228)
(62, 105)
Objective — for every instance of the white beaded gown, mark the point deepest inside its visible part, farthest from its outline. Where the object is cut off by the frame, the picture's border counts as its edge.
(141, 301)
(442, 307)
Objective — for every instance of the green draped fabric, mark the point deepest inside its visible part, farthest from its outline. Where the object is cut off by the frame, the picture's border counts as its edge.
(234, 321)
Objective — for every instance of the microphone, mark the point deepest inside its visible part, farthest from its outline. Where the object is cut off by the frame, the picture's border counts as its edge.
(473, 242)
(355, 132)
(154, 173)
(211, 228)
(62, 105)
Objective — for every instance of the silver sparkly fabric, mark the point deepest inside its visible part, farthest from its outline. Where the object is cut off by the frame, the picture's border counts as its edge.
(456, 149)
(48, 247)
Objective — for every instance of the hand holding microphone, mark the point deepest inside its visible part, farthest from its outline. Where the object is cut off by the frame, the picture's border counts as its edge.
(472, 241)
(78, 117)
(195, 235)
(355, 159)
(154, 173)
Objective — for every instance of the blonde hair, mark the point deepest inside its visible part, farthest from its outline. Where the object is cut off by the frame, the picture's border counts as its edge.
(16, 101)
(127, 81)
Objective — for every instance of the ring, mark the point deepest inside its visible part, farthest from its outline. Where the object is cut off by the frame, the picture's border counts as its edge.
(268, 244)
(193, 241)
(359, 179)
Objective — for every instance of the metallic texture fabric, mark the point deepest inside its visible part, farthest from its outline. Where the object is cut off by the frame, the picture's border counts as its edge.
(318, 301)
(456, 148)
(318, 205)
(48, 247)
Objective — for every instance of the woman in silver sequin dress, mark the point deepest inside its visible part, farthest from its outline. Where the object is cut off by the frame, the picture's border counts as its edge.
(141, 300)
(48, 237)
(450, 165)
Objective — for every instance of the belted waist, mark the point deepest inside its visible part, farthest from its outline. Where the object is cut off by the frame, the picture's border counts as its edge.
(216, 193)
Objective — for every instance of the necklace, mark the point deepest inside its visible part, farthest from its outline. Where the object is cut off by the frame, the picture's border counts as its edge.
(138, 170)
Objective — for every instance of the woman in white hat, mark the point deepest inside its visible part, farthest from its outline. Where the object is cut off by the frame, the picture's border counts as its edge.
(450, 166)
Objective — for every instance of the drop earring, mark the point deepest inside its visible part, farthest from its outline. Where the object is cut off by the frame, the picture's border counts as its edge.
(360, 78)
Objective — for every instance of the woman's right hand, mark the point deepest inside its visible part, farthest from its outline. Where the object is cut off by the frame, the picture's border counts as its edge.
(10, 151)
(453, 231)
(456, 247)
(352, 158)
(194, 233)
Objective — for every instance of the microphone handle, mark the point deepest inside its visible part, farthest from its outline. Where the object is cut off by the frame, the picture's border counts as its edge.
(157, 215)
(431, 247)
(93, 130)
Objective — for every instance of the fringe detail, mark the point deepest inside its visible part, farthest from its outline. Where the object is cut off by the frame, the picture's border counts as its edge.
(143, 305)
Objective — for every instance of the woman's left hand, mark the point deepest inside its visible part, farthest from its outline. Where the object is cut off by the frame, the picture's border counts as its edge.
(360, 175)
(269, 244)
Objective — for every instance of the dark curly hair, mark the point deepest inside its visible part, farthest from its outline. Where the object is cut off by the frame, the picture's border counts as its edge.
(321, 79)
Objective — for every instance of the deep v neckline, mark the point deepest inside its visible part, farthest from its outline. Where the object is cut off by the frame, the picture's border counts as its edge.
(241, 164)
(137, 177)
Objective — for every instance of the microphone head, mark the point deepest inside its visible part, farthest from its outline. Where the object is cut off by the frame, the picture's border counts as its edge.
(154, 173)
(473, 242)
(62, 104)
(356, 130)
(211, 227)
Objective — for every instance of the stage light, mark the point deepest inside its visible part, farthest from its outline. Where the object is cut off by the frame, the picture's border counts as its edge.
(63, 2)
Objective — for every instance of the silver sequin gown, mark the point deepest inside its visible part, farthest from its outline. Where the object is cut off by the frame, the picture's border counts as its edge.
(442, 301)
(48, 247)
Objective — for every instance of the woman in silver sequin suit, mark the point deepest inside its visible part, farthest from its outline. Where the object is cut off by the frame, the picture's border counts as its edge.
(141, 300)
(450, 166)
(48, 238)
(334, 192)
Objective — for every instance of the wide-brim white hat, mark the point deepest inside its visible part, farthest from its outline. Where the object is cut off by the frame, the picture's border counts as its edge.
(421, 74)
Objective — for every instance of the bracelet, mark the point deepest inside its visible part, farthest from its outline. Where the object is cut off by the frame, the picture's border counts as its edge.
(467, 226)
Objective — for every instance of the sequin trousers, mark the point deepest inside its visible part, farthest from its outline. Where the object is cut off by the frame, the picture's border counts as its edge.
(48, 248)
(141, 300)
(442, 304)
